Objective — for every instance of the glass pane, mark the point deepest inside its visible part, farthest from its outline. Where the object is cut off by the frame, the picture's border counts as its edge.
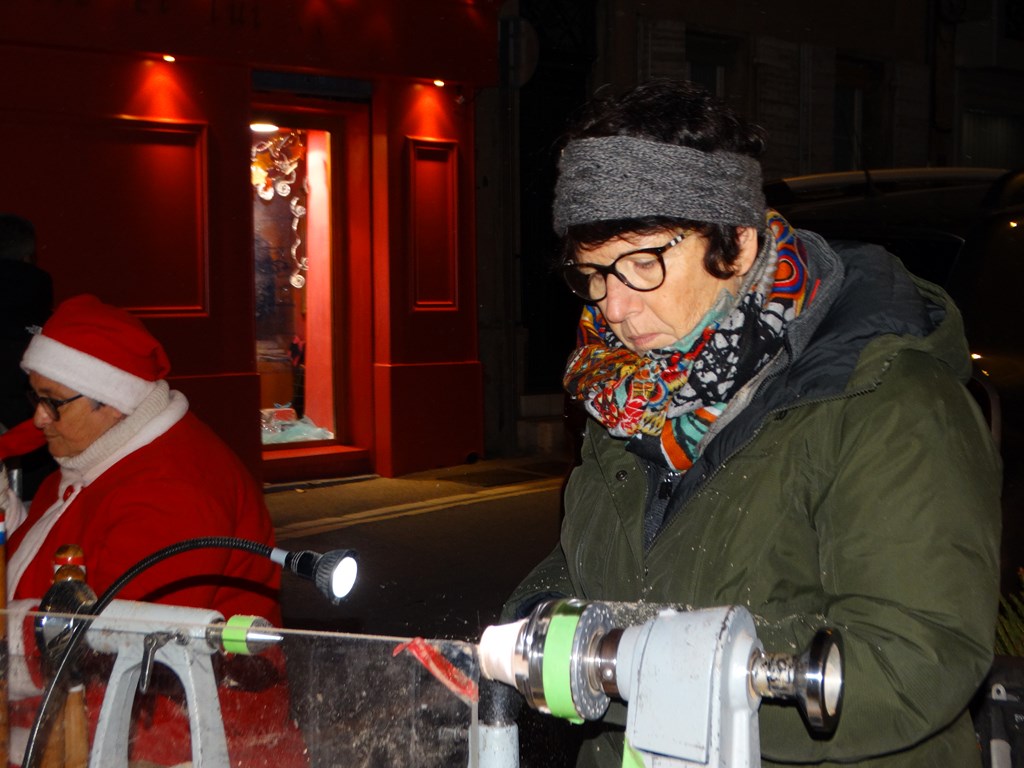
(290, 176)
(302, 699)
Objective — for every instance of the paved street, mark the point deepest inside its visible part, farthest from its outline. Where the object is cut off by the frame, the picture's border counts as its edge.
(439, 551)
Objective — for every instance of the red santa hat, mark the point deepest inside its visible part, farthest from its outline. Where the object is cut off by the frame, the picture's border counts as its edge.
(98, 350)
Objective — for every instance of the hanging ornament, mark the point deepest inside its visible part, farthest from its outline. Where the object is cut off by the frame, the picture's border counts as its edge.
(273, 163)
(301, 265)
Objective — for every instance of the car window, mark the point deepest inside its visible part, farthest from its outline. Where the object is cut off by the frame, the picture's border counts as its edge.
(987, 285)
(932, 256)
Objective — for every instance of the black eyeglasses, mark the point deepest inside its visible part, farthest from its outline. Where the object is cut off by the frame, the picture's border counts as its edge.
(642, 270)
(50, 405)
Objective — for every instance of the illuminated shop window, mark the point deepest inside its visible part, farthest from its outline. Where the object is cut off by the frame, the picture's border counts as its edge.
(290, 172)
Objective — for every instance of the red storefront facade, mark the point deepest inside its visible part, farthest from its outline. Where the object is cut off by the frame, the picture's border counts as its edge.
(148, 187)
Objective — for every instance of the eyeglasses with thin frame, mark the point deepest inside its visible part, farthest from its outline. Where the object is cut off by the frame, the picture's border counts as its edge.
(50, 405)
(642, 270)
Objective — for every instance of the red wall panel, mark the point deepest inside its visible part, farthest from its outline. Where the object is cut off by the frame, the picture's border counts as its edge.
(120, 208)
(436, 117)
(139, 191)
(433, 224)
(134, 174)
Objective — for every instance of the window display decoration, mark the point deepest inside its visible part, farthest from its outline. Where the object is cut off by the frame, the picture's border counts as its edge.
(274, 167)
(275, 161)
(297, 279)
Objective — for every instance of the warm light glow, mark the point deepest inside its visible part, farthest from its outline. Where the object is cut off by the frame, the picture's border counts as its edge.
(1013, 224)
(262, 127)
(161, 91)
(430, 111)
(168, 58)
(975, 356)
(439, 83)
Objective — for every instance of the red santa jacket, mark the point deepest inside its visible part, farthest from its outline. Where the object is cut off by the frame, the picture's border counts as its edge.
(184, 484)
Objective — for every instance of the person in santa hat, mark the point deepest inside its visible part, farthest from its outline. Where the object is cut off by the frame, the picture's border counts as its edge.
(137, 472)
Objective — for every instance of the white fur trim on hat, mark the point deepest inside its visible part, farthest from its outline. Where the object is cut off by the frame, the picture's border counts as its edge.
(84, 373)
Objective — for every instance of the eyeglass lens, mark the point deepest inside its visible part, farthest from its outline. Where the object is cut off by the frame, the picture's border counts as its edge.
(642, 270)
(50, 405)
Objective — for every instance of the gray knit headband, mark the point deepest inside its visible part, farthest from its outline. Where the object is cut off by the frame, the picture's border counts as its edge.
(622, 177)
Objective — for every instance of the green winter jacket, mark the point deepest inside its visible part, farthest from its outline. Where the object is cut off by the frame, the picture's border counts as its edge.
(857, 489)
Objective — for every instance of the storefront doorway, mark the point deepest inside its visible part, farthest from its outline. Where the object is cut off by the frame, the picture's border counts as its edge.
(309, 171)
(292, 267)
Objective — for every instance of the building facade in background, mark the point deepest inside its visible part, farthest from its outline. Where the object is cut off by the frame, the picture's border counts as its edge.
(284, 193)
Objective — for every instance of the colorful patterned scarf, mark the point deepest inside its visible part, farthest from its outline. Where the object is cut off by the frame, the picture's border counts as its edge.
(665, 401)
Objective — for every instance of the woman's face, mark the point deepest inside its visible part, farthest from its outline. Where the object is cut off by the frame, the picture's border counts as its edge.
(80, 424)
(646, 320)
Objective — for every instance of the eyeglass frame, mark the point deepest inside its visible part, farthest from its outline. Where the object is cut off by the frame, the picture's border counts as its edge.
(51, 405)
(606, 270)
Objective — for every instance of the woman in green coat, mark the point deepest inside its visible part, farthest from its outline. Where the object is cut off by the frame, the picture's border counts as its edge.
(776, 423)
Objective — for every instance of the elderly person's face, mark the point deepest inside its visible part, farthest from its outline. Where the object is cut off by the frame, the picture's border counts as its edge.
(646, 320)
(80, 422)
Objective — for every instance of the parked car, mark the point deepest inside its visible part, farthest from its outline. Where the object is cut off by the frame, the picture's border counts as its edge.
(962, 228)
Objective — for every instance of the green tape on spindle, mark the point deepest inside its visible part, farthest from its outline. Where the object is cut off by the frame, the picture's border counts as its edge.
(234, 636)
(555, 673)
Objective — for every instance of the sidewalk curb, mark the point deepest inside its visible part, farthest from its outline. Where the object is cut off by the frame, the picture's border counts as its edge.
(327, 524)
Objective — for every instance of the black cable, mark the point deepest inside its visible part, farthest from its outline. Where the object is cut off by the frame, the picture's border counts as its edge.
(75, 638)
